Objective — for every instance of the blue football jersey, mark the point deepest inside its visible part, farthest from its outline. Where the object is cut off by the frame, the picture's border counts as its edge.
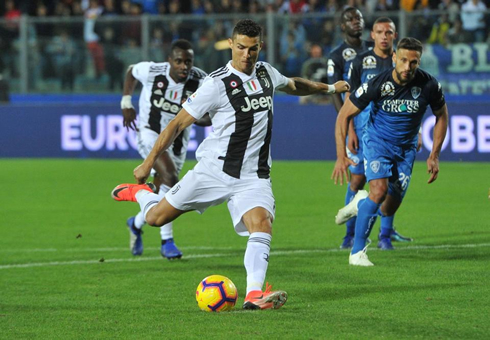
(340, 59)
(364, 68)
(397, 110)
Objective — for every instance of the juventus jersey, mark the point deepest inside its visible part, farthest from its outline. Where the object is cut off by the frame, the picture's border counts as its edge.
(240, 107)
(161, 97)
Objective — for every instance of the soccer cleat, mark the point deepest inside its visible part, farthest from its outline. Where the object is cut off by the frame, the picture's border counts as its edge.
(360, 259)
(127, 192)
(348, 242)
(135, 238)
(385, 244)
(350, 210)
(397, 237)
(269, 299)
(170, 250)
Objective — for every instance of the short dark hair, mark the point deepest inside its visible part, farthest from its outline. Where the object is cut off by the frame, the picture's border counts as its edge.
(182, 44)
(347, 10)
(247, 27)
(411, 44)
(383, 20)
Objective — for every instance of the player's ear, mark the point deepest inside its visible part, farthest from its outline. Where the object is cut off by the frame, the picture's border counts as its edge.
(230, 42)
(372, 35)
(394, 57)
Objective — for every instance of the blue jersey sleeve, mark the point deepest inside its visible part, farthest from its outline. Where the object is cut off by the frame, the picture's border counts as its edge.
(365, 94)
(335, 70)
(355, 74)
(437, 99)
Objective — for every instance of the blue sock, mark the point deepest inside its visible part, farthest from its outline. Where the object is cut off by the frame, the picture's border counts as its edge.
(386, 225)
(350, 224)
(366, 217)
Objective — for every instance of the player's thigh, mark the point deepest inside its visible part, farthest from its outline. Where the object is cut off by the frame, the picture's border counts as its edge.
(378, 160)
(198, 190)
(247, 195)
(402, 173)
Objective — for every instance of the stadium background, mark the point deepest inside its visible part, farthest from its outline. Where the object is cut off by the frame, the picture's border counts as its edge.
(62, 66)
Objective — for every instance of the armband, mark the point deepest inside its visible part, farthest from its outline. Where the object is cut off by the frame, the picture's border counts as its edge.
(126, 102)
(331, 89)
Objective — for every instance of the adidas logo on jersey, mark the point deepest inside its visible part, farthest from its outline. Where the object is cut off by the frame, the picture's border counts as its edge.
(256, 103)
(235, 91)
(166, 106)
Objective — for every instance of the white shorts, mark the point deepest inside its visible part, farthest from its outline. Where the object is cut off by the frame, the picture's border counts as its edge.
(147, 138)
(206, 185)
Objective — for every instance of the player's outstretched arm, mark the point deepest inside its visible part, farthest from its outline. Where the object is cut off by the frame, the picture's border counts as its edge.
(163, 142)
(304, 87)
(440, 129)
(128, 111)
(346, 113)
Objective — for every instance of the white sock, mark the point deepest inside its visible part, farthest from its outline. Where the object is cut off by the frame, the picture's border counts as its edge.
(139, 220)
(147, 200)
(256, 260)
(166, 231)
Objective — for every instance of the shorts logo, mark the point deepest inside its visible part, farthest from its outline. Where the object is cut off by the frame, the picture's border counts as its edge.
(416, 92)
(374, 165)
(387, 88)
(233, 84)
(176, 189)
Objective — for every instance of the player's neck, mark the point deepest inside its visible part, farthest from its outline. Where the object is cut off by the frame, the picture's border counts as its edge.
(382, 54)
(353, 41)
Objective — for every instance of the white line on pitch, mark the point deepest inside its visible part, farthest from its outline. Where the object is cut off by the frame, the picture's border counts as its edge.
(74, 250)
(195, 256)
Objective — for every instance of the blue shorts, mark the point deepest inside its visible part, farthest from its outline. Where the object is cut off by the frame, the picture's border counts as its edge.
(383, 160)
(357, 158)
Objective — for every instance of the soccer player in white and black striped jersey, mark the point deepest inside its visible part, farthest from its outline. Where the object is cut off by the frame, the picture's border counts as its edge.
(165, 87)
(234, 161)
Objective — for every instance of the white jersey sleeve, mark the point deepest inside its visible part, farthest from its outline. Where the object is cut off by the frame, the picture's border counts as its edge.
(206, 99)
(277, 78)
(141, 70)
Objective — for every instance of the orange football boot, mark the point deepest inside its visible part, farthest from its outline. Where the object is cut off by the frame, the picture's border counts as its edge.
(127, 192)
(269, 299)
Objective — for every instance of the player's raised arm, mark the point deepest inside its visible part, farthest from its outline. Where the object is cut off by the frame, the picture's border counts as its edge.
(128, 111)
(440, 129)
(346, 113)
(164, 140)
(303, 87)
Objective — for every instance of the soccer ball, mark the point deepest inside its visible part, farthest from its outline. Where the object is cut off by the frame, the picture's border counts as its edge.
(216, 293)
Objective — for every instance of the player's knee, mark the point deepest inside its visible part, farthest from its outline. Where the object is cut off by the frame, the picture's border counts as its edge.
(378, 193)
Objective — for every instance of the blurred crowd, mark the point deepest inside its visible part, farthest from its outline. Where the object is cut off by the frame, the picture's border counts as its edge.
(112, 45)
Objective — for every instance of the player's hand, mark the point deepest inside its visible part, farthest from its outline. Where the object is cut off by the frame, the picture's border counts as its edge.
(340, 170)
(129, 119)
(432, 168)
(352, 142)
(141, 173)
(341, 86)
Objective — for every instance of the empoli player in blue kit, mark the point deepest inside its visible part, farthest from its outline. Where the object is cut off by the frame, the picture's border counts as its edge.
(400, 98)
(366, 66)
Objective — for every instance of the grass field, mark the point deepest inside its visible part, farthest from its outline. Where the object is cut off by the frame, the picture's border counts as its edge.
(66, 271)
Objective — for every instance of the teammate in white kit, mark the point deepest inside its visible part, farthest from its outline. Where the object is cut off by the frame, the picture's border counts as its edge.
(234, 161)
(165, 87)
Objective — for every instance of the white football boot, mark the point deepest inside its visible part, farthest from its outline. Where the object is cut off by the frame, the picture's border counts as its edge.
(360, 259)
(350, 210)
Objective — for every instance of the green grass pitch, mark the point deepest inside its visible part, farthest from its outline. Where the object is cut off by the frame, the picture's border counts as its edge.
(66, 271)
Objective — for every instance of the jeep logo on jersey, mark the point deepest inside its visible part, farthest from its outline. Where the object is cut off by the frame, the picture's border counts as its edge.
(166, 106)
(416, 92)
(256, 103)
